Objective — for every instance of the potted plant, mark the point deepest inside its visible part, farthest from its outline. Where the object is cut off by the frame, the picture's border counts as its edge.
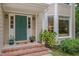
(32, 38)
(11, 40)
(48, 38)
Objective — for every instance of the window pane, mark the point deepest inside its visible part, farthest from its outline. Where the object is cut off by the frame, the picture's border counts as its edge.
(50, 23)
(11, 26)
(63, 27)
(11, 17)
(11, 22)
(29, 22)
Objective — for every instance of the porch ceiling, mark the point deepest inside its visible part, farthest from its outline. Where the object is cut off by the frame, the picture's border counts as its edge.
(30, 8)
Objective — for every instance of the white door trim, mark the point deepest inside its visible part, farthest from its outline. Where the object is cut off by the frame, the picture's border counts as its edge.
(11, 14)
(28, 28)
(12, 31)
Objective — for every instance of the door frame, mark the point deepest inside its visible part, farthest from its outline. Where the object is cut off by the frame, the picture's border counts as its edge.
(14, 14)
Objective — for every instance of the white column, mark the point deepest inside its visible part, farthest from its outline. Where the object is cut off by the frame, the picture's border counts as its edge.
(56, 21)
(73, 19)
(70, 22)
(36, 27)
(45, 21)
(1, 28)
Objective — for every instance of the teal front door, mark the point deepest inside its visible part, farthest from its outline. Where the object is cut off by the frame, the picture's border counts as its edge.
(20, 28)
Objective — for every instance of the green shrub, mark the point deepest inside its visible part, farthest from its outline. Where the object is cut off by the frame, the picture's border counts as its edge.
(48, 38)
(70, 45)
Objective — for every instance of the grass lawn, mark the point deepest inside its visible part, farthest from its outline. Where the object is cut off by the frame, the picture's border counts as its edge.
(57, 52)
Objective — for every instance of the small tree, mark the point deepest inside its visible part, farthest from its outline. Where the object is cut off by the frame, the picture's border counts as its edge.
(48, 38)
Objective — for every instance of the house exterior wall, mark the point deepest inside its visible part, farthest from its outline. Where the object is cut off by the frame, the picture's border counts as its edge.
(42, 18)
(64, 9)
(68, 10)
(33, 25)
(47, 12)
(42, 23)
(25, 8)
(18, 8)
(50, 9)
(6, 30)
(1, 28)
(39, 25)
(32, 9)
(45, 21)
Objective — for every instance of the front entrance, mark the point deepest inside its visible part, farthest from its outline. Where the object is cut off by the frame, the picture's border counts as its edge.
(20, 28)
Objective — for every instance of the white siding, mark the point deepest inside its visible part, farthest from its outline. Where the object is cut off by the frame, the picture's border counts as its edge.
(26, 8)
(50, 9)
(6, 30)
(1, 29)
(64, 9)
(39, 24)
(33, 26)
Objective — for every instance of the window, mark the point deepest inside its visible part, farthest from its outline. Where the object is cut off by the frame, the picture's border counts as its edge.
(11, 22)
(29, 22)
(50, 23)
(63, 26)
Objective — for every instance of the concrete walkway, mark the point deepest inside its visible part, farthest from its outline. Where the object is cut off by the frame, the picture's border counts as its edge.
(49, 53)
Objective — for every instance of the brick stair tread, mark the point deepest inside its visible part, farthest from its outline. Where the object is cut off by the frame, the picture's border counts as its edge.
(21, 48)
(38, 53)
(26, 51)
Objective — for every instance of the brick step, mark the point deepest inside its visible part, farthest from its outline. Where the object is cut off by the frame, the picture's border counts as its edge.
(21, 47)
(38, 53)
(25, 51)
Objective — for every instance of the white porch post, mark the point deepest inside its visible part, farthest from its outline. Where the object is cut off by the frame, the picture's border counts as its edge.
(56, 21)
(45, 21)
(73, 20)
(1, 27)
(36, 28)
(70, 21)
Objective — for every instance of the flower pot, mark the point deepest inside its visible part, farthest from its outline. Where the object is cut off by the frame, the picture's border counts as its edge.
(31, 40)
(47, 45)
(11, 42)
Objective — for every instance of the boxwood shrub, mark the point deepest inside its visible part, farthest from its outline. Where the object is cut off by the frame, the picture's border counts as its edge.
(70, 45)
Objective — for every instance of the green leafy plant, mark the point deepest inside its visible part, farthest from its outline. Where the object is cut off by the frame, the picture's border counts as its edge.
(32, 38)
(77, 19)
(48, 38)
(70, 45)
